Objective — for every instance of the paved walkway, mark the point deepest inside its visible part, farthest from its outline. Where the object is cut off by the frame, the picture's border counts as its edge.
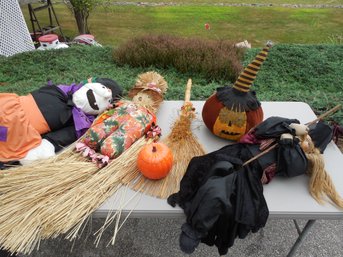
(157, 237)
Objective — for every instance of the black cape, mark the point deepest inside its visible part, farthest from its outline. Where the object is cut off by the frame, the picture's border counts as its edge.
(223, 200)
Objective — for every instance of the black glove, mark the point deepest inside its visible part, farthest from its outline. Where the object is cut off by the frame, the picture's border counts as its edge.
(173, 199)
(189, 240)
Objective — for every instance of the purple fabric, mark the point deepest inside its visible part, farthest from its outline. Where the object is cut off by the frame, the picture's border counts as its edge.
(70, 89)
(249, 138)
(3, 133)
(82, 121)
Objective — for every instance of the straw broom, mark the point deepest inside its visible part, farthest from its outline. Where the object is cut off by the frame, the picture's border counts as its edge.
(25, 193)
(46, 204)
(320, 185)
(184, 146)
(322, 116)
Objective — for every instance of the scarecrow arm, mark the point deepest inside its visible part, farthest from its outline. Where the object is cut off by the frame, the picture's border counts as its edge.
(61, 138)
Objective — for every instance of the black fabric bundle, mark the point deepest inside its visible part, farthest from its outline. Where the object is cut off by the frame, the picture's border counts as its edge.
(223, 200)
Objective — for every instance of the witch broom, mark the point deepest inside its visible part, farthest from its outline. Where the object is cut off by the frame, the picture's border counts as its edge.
(184, 146)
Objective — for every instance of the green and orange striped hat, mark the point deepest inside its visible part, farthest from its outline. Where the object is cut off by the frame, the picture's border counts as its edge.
(247, 77)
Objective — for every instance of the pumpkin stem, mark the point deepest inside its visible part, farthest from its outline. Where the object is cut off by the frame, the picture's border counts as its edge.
(154, 149)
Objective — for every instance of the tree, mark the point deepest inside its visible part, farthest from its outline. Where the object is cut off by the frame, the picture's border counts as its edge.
(81, 10)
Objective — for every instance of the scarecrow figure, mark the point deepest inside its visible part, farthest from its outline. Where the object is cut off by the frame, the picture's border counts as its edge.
(117, 129)
(37, 125)
(47, 188)
(232, 111)
(223, 199)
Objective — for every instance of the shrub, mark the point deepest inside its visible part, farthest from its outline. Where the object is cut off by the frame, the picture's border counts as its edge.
(214, 59)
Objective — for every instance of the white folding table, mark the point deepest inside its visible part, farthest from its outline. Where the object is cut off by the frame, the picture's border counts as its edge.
(287, 198)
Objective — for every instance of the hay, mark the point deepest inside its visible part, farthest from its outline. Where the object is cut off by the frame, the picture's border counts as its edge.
(52, 202)
(184, 146)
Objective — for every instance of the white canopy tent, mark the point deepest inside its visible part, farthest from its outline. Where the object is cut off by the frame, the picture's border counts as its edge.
(14, 34)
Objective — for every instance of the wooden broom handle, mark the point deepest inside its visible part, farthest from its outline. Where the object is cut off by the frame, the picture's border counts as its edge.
(188, 91)
(260, 154)
(334, 109)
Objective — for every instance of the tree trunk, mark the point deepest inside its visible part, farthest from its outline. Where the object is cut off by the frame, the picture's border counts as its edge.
(81, 21)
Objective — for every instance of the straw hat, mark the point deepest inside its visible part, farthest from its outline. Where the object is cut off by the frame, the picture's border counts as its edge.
(152, 84)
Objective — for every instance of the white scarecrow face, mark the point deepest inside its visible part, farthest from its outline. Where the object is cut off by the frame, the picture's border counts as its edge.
(93, 98)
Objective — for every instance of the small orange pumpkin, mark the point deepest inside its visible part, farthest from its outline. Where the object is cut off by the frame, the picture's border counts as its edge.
(155, 160)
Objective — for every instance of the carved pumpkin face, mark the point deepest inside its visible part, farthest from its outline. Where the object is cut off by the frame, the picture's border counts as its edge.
(230, 124)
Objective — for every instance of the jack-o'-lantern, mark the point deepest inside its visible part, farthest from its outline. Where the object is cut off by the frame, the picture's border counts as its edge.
(232, 111)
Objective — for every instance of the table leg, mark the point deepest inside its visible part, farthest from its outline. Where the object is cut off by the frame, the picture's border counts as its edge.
(301, 237)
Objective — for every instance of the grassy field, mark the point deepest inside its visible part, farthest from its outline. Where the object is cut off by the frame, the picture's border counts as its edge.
(113, 25)
(273, 2)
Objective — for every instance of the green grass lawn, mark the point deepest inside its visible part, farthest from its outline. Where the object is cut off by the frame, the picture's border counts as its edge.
(306, 73)
(115, 24)
(274, 2)
(304, 69)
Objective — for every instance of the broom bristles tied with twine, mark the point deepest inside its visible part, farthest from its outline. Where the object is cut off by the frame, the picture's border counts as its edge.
(184, 146)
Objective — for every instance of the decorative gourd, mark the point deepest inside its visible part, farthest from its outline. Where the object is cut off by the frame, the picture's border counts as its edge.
(155, 160)
(232, 111)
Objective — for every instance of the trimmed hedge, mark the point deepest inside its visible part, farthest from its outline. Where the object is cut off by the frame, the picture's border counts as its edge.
(214, 59)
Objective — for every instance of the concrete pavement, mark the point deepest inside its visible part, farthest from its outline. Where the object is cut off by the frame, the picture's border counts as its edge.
(157, 237)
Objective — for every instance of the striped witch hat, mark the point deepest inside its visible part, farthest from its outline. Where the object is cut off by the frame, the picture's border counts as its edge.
(247, 77)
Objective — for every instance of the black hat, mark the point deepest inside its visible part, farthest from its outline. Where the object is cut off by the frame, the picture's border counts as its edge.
(321, 135)
(117, 90)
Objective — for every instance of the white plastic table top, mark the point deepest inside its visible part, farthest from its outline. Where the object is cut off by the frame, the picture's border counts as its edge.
(286, 197)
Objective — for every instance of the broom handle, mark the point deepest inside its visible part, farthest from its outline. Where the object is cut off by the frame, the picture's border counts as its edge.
(188, 91)
(260, 154)
(336, 108)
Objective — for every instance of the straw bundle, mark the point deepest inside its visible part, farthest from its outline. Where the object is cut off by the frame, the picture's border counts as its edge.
(54, 196)
(26, 191)
(184, 146)
(34, 208)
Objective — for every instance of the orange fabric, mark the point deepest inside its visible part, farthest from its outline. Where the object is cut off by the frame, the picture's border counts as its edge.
(20, 136)
(33, 114)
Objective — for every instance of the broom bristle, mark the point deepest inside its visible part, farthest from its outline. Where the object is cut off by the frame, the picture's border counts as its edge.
(49, 201)
(184, 146)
